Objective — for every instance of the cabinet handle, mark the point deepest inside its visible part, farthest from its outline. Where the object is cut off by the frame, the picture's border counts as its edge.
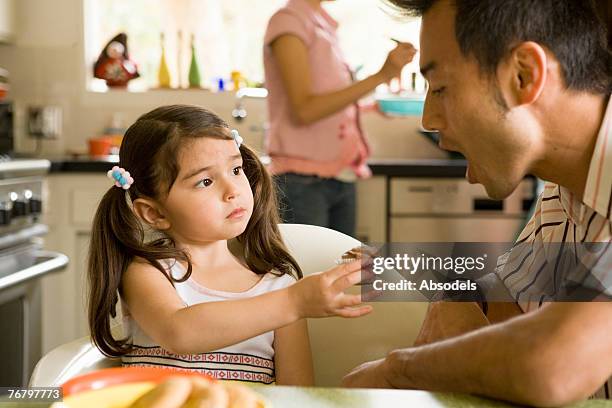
(420, 189)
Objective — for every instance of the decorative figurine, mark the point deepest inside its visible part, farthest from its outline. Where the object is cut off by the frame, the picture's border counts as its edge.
(194, 70)
(163, 75)
(114, 64)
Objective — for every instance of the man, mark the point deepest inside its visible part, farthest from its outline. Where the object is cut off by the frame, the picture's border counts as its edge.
(519, 87)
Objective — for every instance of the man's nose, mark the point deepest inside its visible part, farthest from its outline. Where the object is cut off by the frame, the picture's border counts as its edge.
(432, 119)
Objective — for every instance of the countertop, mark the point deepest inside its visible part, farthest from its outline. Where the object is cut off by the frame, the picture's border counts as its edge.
(380, 167)
(313, 397)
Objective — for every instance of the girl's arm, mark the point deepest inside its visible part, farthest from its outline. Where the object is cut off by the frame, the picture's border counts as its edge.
(156, 307)
(291, 55)
(292, 356)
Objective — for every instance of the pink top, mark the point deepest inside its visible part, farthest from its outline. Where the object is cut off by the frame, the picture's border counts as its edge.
(331, 144)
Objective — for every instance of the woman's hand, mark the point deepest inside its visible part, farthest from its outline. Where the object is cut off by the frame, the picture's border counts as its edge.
(322, 294)
(397, 58)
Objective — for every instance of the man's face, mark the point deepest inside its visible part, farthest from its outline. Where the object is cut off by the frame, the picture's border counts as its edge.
(466, 107)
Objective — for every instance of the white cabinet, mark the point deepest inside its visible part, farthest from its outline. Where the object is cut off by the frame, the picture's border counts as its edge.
(72, 200)
(371, 209)
(7, 20)
(452, 210)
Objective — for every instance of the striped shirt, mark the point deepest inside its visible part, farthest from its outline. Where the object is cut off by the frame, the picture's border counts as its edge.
(560, 217)
(251, 360)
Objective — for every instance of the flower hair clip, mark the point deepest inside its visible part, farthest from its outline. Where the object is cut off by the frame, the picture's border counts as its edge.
(237, 138)
(121, 177)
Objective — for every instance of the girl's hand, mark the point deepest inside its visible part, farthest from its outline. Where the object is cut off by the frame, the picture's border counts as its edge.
(401, 55)
(322, 294)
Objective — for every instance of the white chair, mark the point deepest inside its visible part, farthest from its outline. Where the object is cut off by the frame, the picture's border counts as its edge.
(337, 344)
(77, 357)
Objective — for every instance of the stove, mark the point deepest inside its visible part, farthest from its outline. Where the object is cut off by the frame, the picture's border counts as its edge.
(23, 261)
(21, 183)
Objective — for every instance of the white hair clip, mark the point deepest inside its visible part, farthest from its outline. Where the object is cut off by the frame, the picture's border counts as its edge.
(237, 138)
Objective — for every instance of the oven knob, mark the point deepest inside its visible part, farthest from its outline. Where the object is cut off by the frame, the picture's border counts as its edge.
(5, 217)
(35, 206)
(5, 213)
(20, 208)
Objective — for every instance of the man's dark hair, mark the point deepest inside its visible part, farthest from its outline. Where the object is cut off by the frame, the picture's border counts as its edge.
(570, 29)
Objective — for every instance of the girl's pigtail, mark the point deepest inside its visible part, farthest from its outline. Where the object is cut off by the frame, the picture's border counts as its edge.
(115, 229)
(264, 249)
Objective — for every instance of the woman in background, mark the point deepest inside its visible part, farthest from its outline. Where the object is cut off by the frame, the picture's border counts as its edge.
(316, 144)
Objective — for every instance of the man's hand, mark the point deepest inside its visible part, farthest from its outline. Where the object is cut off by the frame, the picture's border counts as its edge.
(450, 319)
(372, 374)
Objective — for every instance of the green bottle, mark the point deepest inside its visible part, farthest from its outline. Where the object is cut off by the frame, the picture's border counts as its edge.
(194, 71)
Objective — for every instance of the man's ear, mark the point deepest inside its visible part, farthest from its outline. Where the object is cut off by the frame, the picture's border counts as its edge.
(525, 73)
(150, 212)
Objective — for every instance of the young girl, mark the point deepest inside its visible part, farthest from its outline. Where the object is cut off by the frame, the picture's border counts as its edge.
(187, 238)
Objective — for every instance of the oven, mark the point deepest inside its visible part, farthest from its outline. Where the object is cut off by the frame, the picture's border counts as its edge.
(22, 263)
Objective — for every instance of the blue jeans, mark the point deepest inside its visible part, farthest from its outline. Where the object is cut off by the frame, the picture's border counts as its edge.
(325, 202)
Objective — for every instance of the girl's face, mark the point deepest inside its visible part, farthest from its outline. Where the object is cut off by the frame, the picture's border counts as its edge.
(211, 199)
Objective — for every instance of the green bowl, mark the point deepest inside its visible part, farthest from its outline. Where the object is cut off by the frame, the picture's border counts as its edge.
(401, 105)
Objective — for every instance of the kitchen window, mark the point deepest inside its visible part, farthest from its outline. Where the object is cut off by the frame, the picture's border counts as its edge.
(228, 36)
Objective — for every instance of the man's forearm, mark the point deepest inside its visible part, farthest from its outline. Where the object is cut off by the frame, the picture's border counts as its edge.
(477, 362)
(524, 360)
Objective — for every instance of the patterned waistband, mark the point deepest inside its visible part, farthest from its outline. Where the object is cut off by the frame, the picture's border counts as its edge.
(220, 365)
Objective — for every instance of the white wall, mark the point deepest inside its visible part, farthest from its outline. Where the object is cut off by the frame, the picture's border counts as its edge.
(46, 65)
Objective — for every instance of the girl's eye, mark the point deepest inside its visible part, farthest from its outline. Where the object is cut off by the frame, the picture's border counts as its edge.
(204, 183)
(237, 170)
(438, 91)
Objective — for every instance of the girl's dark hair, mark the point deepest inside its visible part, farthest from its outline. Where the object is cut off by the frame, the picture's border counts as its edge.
(570, 29)
(149, 152)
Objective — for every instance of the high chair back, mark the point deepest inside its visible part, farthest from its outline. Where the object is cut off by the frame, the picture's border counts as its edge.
(337, 344)
(69, 360)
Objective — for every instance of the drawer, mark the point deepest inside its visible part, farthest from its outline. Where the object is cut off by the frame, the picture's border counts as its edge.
(455, 229)
(437, 196)
(452, 196)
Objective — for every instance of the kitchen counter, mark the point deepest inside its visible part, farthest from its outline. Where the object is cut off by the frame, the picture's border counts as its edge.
(438, 168)
(83, 164)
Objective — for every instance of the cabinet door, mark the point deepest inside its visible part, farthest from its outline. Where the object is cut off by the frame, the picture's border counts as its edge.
(7, 20)
(371, 209)
(452, 229)
(71, 202)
